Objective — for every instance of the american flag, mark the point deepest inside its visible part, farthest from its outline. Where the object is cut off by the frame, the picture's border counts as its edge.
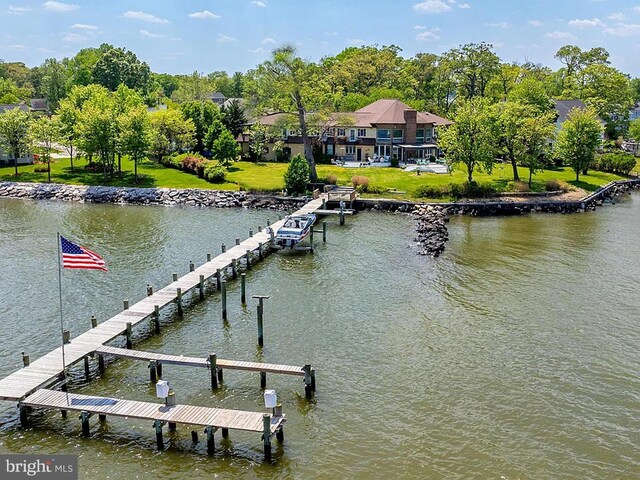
(75, 256)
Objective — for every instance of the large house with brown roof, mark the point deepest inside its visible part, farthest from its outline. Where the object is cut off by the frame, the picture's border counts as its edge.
(385, 128)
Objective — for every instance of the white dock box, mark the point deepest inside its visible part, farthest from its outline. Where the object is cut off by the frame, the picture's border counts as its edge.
(270, 399)
(162, 389)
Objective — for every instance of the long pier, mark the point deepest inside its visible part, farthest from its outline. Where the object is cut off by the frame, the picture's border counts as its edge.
(29, 386)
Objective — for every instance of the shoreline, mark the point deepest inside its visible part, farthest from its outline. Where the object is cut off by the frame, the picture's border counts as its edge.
(224, 198)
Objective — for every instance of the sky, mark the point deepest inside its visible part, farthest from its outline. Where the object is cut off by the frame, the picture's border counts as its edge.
(183, 36)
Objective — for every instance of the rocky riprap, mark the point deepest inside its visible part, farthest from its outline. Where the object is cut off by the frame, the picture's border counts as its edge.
(431, 227)
(147, 196)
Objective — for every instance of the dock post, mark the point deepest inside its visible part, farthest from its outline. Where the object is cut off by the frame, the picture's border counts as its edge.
(65, 388)
(266, 435)
(268, 222)
(248, 257)
(25, 360)
(156, 318)
(220, 375)
(223, 293)
(311, 238)
(213, 366)
(194, 436)
(172, 427)
(159, 369)
(208, 257)
(243, 288)
(87, 372)
(313, 380)
(250, 232)
(280, 434)
(263, 379)
(224, 248)
(308, 392)
(341, 213)
(101, 364)
(158, 426)
(102, 417)
(84, 417)
(272, 235)
(234, 268)
(153, 373)
(225, 433)
(211, 444)
(24, 416)
(175, 277)
(125, 304)
(201, 287)
(260, 309)
(179, 300)
(129, 341)
(192, 267)
(149, 290)
(324, 232)
(260, 254)
(237, 241)
(218, 279)
(94, 321)
(66, 336)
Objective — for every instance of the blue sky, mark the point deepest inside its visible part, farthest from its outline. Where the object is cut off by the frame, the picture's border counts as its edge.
(183, 36)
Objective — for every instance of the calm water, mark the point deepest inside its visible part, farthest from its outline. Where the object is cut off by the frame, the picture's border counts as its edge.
(515, 355)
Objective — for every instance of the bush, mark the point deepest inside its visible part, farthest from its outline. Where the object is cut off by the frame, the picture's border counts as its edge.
(617, 162)
(556, 185)
(214, 173)
(360, 183)
(297, 175)
(432, 191)
(41, 168)
(518, 187)
(473, 190)
(194, 164)
(394, 162)
(331, 179)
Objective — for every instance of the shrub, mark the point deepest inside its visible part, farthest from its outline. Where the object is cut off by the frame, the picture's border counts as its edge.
(297, 175)
(432, 191)
(41, 168)
(331, 179)
(617, 162)
(194, 164)
(556, 185)
(375, 189)
(360, 183)
(518, 187)
(214, 173)
(394, 162)
(472, 190)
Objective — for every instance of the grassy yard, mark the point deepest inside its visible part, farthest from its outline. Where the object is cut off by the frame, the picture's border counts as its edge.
(268, 177)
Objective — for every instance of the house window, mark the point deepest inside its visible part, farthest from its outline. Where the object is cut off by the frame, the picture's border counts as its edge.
(420, 135)
(341, 132)
(352, 135)
(397, 135)
(362, 132)
(383, 135)
(351, 149)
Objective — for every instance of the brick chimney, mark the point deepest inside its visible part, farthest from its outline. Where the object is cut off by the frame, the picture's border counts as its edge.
(410, 119)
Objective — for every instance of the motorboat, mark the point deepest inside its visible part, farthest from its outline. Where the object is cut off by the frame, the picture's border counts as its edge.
(294, 230)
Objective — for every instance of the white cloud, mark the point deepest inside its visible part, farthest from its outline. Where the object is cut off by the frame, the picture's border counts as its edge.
(258, 50)
(17, 47)
(427, 35)
(535, 23)
(145, 17)
(258, 3)
(83, 26)
(624, 30)
(586, 23)
(560, 35)
(616, 16)
(146, 33)
(73, 37)
(222, 38)
(432, 6)
(357, 42)
(503, 25)
(60, 7)
(268, 41)
(464, 6)
(13, 10)
(419, 27)
(204, 15)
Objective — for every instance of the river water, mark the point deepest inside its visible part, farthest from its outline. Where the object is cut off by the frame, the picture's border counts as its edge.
(514, 355)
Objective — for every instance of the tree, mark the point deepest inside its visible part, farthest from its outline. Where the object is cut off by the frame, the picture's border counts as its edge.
(225, 148)
(202, 114)
(535, 134)
(194, 87)
(509, 120)
(120, 66)
(470, 140)
(44, 131)
(54, 82)
(634, 129)
(171, 132)
(287, 83)
(135, 132)
(97, 129)
(233, 117)
(531, 91)
(258, 140)
(475, 65)
(125, 100)
(80, 68)
(214, 131)
(579, 138)
(14, 133)
(296, 176)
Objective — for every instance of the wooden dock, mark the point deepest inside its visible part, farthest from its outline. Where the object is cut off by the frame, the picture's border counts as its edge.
(211, 418)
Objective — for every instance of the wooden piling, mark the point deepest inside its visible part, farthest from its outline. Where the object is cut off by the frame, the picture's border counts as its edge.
(102, 417)
(179, 300)
(223, 294)
(84, 417)
(268, 222)
(94, 321)
(65, 388)
(175, 277)
(159, 370)
(218, 279)
(125, 304)
(224, 248)
(263, 379)
(243, 289)
(260, 254)
(129, 336)
(250, 232)
(213, 366)
(25, 360)
(266, 435)
(66, 336)
(24, 416)
(237, 241)
(280, 434)
(149, 290)
(156, 318)
(220, 375)
(311, 238)
(234, 268)
(87, 371)
(192, 267)
(248, 257)
(172, 427)
(158, 426)
(101, 364)
(341, 213)
(324, 232)
(225, 433)
(201, 287)
(308, 391)
(153, 372)
(211, 445)
(260, 311)
(194, 436)
(208, 257)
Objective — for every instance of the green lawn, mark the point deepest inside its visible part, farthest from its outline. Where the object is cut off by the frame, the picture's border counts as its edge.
(268, 177)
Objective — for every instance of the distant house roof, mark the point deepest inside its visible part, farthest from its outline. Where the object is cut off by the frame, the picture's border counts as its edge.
(10, 106)
(231, 100)
(388, 111)
(216, 97)
(39, 104)
(157, 108)
(563, 107)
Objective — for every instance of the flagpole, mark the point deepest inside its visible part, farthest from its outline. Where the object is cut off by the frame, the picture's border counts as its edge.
(64, 372)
